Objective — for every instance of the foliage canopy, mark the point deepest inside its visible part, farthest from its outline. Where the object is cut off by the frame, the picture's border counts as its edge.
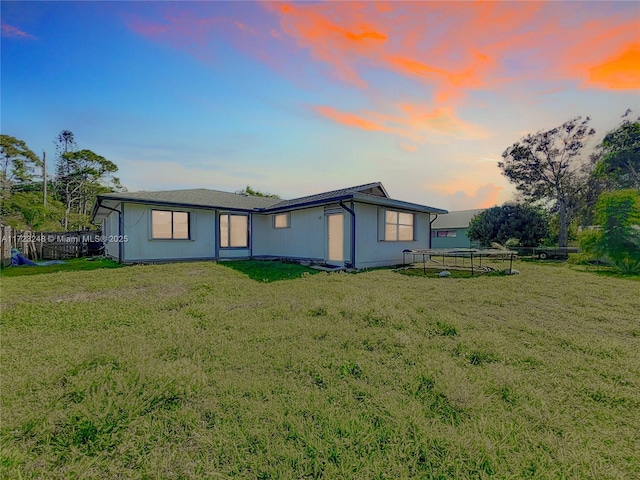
(256, 193)
(617, 237)
(545, 167)
(620, 160)
(499, 224)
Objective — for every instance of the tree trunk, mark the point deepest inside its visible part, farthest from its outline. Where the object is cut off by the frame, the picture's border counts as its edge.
(563, 220)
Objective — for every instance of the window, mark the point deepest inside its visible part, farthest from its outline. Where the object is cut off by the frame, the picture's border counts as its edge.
(282, 220)
(234, 232)
(398, 226)
(168, 225)
(444, 233)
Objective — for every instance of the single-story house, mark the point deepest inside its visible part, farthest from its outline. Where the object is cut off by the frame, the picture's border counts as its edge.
(450, 230)
(357, 227)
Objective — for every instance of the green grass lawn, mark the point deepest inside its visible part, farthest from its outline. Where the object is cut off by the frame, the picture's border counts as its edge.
(196, 370)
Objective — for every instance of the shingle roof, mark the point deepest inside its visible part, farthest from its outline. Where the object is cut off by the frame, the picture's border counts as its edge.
(319, 197)
(368, 193)
(458, 219)
(198, 197)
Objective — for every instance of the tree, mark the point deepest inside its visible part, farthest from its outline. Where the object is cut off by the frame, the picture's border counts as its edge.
(17, 164)
(81, 175)
(250, 191)
(545, 167)
(25, 210)
(499, 224)
(85, 175)
(620, 156)
(617, 237)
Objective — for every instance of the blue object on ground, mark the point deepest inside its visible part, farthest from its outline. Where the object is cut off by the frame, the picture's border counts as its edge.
(18, 259)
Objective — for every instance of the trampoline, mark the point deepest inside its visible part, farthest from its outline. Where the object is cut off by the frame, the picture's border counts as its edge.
(447, 254)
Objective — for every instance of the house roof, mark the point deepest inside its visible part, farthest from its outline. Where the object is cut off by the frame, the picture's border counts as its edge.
(373, 193)
(457, 219)
(197, 197)
(374, 189)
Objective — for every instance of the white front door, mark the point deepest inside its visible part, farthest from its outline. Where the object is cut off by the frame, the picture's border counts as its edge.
(335, 238)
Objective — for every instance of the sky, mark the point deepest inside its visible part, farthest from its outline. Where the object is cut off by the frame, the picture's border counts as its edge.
(300, 98)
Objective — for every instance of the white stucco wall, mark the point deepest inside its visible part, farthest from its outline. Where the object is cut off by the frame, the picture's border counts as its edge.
(305, 237)
(140, 247)
(372, 252)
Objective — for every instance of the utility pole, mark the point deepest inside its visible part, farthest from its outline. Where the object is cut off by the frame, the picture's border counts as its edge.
(44, 177)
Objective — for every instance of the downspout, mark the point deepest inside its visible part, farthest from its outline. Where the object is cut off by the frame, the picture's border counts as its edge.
(250, 235)
(352, 264)
(431, 229)
(216, 233)
(120, 228)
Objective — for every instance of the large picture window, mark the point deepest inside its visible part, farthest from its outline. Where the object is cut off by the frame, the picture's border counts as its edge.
(234, 231)
(169, 225)
(398, 226)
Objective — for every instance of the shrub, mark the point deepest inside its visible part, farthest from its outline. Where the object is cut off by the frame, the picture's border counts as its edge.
(617, 215)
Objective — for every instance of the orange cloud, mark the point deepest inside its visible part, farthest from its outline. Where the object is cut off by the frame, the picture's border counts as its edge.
(14, 32)
(338, 34)
(464, 195)
(409, 121)
(349, 119)
(455, 47)
(621, 72)
(408, 147)
(451, 49)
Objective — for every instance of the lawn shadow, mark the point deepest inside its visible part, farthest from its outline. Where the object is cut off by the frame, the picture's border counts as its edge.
(268, 271)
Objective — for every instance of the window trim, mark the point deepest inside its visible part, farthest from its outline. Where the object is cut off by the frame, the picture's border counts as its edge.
(286, 215)
(445, 233)
(397, 225)
(172, 238)
(229, 246)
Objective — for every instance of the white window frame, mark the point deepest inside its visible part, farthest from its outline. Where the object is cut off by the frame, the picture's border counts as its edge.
(398, 224)
(172, 237)
(227, 243)
(444, 233)
(287, 220)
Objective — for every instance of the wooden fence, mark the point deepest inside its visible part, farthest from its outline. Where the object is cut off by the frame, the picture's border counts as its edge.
(49, 245)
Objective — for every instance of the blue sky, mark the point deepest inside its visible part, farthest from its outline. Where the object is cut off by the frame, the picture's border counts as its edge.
(297, 98)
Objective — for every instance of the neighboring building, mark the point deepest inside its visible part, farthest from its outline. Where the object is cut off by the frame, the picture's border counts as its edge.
(358, 226)
(450, 230)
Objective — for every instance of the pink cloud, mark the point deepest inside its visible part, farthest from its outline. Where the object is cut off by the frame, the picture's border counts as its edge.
(414, 122)
(14, 32)
(452, 48)
(464, 194)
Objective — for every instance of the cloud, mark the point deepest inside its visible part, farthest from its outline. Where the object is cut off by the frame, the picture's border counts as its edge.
(350, 119)
(449, 51)
(457, 47)
(10, 31)
(410, 121)
(453, 47)
(620, 72)
(482, 197)
(407, 147)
